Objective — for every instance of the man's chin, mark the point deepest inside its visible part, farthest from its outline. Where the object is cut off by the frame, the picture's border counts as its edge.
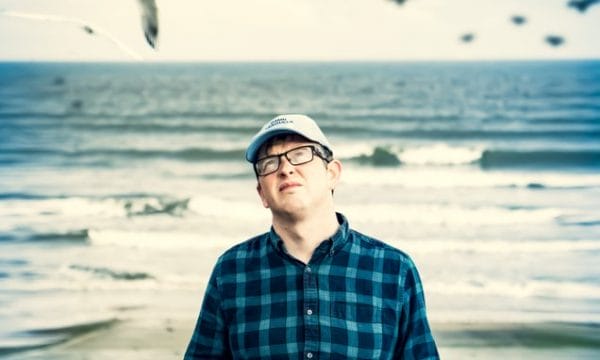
(294, 211)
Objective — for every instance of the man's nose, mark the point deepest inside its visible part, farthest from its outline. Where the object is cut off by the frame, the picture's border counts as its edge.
(285, 167)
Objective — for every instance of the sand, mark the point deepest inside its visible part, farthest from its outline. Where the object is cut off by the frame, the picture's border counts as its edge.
(166, 338)
(155, 338)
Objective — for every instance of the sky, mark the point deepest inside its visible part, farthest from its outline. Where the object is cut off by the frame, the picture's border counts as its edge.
(300, 30)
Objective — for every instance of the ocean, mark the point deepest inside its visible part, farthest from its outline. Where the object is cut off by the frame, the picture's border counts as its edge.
(121, 183)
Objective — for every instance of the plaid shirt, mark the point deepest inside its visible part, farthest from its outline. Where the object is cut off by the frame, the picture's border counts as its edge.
(357, 298)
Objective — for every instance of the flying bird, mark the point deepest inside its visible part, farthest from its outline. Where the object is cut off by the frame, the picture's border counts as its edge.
(467, 38)
(518, 19)
(88, 29)
(149, 15)
(150, 21)
(582, 5)
(86, 26)
(555, 40)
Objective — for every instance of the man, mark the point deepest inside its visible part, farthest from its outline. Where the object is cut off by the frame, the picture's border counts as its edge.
(311, 287)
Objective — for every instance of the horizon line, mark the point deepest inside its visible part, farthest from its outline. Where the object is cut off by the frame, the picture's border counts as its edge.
(291, 61)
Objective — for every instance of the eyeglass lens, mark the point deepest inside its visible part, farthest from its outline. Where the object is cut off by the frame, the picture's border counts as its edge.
(295, 156)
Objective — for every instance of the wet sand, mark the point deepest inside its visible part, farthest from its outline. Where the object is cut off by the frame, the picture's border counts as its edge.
(551, 340)
(167, 337)
(158, 338)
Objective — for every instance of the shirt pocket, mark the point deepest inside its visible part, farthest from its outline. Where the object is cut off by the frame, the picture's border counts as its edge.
(358, 327)
(354, 311)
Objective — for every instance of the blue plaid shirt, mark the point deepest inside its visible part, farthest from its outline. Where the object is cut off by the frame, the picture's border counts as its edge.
(357, 298)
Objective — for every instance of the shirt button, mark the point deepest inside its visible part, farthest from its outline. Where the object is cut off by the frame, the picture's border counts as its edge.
(309, 312)
(309, 355)
(308, 269)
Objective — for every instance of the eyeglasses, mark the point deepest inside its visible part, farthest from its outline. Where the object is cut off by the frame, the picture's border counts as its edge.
(296, 156)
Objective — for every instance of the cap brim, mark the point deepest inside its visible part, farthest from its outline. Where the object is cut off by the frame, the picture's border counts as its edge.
(257, 142)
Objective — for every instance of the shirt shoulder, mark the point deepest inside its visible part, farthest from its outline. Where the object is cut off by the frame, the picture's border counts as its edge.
(251, 248)
(369, 246)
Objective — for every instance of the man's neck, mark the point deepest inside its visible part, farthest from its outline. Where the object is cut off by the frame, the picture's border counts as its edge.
(301, 236)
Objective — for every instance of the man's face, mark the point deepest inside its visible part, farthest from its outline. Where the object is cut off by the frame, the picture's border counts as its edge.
(295, 189)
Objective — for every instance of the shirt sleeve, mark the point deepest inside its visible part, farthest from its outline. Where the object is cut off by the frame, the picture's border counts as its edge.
(415, 338)
(209, 340)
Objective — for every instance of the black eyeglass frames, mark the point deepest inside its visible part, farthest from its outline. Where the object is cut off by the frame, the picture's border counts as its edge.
(296, 156)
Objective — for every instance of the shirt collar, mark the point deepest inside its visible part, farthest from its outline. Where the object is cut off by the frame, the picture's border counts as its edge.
(337, 241)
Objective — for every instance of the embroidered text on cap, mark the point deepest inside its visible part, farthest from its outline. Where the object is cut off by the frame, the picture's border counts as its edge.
(279, 121)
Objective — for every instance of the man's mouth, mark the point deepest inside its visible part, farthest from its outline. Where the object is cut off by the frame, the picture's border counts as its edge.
(287, 185)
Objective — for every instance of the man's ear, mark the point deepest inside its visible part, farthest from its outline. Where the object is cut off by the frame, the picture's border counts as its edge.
(334, 172)
(259, 190)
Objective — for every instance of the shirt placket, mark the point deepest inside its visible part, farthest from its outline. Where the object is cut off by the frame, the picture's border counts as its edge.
(311, 323)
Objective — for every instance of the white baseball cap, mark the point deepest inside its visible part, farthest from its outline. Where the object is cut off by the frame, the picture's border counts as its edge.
(287, 124)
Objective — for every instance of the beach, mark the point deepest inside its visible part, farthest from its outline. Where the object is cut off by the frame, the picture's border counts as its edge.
(121, 184)
(166, 338)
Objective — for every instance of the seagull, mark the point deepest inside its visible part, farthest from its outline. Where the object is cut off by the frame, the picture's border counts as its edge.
(149, 14)
(399, 2)
(467, 38)
(85, 26)
(88, 29)
(555, 40)
(582, 5)
(518, 19)
(150, 21)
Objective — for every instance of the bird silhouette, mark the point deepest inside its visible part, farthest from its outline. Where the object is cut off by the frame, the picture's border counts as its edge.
(467, 38)
(582, 5)
(149, 15)
(88, 29)
(149, 21)
(554, 40)
(399, 2)
(518, 19)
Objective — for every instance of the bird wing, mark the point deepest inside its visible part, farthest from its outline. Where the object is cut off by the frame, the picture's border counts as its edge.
(150, 21)
(86, 26)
